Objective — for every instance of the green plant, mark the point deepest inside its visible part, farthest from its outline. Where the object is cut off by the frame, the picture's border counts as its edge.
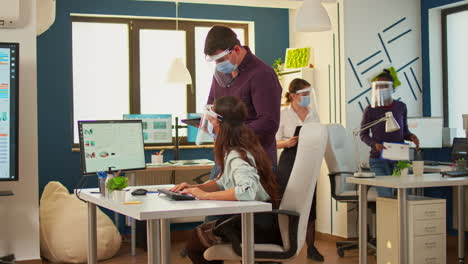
(401, 165)
(277, 67)
(117, 183)
(297, 58)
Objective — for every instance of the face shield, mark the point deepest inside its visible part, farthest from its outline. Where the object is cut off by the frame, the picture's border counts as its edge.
(308, 98)
(208, 121)
(381, 93)
(224, 68)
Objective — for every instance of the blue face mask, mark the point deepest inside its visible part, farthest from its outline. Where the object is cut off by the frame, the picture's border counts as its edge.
(226, 67)
(210, 130)
(305, 101)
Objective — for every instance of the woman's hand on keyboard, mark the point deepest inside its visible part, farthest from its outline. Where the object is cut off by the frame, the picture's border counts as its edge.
(196, 192)
(181, 186)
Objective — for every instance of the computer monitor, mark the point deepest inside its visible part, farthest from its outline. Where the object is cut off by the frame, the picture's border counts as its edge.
(114, 144)
(157, 128)
(9, 86)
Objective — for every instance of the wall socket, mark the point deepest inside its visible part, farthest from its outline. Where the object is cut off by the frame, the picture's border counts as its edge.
(9, 13)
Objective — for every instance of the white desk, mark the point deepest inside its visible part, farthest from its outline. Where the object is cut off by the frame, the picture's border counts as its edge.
(157, 210)
(402, 183)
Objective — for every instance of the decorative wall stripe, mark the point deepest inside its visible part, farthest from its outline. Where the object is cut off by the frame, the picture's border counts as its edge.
(367, 100)
(393, 25)
(385, 48)
(355, 73)
(416, 79)
(372, 67)
(410, 86)
(408, 64)
(359, 95)
(399, 36)
(368, 58)
(360, 106)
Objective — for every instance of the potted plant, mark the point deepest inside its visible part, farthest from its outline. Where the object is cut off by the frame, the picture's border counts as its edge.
(278, 67)
(461, 164)
(116, 186)
(401, 168)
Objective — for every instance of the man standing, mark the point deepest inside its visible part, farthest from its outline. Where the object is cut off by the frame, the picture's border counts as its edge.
(240, 73)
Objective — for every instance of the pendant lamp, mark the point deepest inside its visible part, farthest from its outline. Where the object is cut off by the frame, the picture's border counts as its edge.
(312, 17)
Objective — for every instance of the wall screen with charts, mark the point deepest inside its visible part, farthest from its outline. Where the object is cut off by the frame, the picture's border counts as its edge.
(9, 84)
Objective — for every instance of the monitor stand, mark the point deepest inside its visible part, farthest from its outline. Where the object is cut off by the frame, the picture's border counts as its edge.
(6, 193)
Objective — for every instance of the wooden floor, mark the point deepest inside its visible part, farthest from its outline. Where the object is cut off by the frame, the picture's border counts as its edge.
(326, 247)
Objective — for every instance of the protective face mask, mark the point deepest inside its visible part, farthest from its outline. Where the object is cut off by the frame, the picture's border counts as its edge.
(210, 130)
(386, 93)
(226, 67)
(305, 101)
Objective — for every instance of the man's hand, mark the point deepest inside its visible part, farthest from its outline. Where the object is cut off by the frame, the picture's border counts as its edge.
(379, 147)
(415, 140)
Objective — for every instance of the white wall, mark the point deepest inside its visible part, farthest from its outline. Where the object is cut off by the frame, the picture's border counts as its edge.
(363, 21)
(19, 215)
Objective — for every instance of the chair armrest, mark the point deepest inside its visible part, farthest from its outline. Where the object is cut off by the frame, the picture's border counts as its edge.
(228, 229)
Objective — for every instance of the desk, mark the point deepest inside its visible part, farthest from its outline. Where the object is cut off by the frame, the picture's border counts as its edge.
(157, 210)
(402, 183)
(162, 168)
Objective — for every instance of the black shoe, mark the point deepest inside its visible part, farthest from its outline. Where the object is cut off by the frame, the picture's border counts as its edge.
(313, 254)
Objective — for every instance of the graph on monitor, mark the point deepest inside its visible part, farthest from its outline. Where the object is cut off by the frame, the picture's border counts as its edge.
(9, 83)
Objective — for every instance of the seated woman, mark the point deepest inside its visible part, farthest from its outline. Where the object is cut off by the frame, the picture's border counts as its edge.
(246, 173)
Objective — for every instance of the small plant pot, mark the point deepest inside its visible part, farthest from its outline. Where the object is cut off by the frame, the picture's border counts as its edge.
(118, 196)
(404, 172)
(462, 164)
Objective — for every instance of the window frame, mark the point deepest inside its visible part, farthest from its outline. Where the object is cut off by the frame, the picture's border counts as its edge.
(134, 26)
(444, 14)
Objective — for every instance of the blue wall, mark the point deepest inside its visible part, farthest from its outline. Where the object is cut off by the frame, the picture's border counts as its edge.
(56, 161)
(425, 6)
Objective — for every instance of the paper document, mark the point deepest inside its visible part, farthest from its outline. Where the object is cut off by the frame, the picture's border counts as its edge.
(395, 151)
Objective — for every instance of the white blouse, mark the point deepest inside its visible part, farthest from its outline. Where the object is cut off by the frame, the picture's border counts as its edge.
(289, 120)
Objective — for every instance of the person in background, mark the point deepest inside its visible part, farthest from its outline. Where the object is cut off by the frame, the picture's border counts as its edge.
(383, 86)
(246, 174)
(238, 72)
(301, 108)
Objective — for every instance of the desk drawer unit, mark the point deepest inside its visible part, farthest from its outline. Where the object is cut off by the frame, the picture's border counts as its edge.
(426, 230)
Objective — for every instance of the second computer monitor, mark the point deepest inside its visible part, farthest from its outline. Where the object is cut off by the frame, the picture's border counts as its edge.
(115, 144)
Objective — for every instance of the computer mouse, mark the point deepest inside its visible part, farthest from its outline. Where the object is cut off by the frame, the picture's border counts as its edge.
(139, 192)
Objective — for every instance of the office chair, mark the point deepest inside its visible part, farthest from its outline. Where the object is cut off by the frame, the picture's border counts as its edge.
(341, 163)
(292, 215)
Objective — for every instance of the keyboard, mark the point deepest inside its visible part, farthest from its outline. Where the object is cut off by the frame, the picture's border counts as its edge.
(458, 173)
(437, 163)
(176, 196)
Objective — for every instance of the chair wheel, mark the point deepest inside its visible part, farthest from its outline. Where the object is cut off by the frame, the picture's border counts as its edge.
(340, 252)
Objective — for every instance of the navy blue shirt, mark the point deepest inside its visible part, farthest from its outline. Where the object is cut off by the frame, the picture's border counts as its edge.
(377, 134)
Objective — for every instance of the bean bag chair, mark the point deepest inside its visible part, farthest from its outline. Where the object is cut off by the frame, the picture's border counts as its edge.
(64, 228)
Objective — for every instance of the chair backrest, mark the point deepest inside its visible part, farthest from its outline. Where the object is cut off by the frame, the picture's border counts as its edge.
(340, 156)
(301, 185)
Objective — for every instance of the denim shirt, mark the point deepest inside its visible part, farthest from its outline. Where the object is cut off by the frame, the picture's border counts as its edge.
(243, 177)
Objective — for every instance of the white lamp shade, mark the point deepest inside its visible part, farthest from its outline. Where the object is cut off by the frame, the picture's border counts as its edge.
(391, 125)
(178, 73)
(45, 15)
(312, 17)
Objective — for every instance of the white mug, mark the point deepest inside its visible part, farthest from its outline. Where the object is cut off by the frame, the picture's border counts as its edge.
(418, 168)
(156, 159)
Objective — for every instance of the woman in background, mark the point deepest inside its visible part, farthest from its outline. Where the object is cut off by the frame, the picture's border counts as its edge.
(301, 108)
(383, 86)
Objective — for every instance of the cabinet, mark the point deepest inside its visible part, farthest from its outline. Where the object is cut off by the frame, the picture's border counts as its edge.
(426, 230)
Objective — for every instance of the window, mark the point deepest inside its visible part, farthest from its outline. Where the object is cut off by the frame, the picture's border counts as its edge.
(455, 41)
(120, 67)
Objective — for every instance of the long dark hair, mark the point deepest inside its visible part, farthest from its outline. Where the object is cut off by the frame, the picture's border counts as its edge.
(235, 135)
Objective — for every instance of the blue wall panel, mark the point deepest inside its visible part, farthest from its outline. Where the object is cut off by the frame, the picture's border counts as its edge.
(56, 161)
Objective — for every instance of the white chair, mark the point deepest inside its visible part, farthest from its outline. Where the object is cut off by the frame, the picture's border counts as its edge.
(340, 157)
(293, 213)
